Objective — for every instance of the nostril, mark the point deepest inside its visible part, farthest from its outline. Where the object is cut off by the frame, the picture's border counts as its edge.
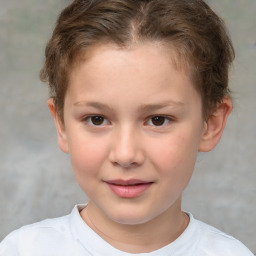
(126, 151)
(125, 165)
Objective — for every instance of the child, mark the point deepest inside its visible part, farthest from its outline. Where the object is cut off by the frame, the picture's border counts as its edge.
(137, 89)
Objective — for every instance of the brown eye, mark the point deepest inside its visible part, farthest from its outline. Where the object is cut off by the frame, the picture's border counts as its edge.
(96, 120)
(158, 120)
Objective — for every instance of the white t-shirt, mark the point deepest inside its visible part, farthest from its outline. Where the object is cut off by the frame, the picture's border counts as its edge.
(71, 236)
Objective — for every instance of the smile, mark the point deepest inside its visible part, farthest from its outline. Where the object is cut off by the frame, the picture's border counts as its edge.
(128, 188)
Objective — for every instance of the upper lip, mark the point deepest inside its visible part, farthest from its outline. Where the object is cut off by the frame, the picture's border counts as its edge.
(121, 182)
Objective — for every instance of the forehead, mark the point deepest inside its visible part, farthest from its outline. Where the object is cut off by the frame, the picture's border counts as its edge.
(150, 50)
(139, 73)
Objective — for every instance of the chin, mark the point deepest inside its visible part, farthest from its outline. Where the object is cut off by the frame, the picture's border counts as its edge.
(132, 218)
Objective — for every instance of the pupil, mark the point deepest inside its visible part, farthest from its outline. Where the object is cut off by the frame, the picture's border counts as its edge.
(158, 120)
(97, 120)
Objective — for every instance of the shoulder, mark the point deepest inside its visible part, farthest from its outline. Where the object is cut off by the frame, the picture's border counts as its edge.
(45, 235)
(214, 242)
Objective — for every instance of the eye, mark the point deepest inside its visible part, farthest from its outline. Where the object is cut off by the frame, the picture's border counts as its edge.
(158, 121)
(96, 120)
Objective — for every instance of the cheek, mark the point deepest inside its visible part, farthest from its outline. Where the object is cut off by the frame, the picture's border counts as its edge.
(87, 156)
(175, 156)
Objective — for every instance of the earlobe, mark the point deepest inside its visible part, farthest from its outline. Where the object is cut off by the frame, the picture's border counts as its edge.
(61, 133)
(215, 125)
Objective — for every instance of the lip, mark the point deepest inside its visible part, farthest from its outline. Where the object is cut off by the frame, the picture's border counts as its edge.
(128, 188)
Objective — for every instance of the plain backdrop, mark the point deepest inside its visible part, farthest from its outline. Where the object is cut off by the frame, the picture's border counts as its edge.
(36, 180)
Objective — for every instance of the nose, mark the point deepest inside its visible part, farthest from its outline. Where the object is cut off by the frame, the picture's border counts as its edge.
(127, 149)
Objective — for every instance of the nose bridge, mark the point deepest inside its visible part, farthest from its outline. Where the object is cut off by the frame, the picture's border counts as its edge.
(126, 146)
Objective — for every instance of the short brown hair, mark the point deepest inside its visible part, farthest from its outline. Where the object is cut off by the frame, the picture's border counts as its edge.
(191, 26)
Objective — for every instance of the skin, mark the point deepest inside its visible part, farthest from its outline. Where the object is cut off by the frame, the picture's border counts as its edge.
(126, 89)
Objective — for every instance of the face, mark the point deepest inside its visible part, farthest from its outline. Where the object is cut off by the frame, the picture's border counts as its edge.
(133, 126)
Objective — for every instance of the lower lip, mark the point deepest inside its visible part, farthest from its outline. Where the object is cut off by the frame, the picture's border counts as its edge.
(129, 191)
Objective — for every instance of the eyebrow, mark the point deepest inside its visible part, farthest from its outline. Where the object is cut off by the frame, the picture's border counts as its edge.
(164, 104)
(142, 108)
(100, 106)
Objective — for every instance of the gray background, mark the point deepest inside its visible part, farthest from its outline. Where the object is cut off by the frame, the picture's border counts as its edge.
(36, 180)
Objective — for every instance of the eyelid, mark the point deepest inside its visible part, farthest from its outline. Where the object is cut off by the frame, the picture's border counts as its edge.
(168, 119)
(88, 121)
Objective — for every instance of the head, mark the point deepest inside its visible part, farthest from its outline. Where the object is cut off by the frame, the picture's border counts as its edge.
(197, 35)
(137, 88)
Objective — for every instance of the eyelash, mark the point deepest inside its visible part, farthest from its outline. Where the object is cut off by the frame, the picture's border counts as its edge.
(164, 120)
(88, 120)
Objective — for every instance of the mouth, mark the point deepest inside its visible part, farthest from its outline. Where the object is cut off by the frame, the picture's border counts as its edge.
(128, 188)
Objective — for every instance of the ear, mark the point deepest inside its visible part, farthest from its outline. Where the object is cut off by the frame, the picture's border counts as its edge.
(61, 133)
(215, 125)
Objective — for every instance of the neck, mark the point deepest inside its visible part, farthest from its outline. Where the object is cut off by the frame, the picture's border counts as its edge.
(139, 238)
